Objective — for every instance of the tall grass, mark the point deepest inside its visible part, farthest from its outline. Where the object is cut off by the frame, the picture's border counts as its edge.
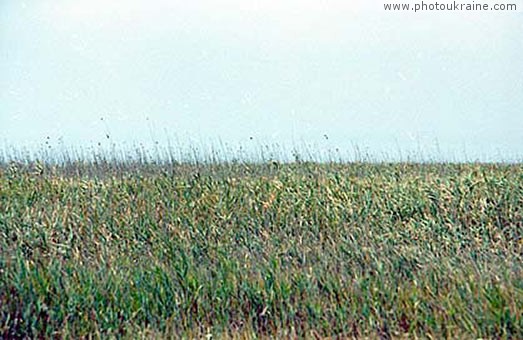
(141, 248)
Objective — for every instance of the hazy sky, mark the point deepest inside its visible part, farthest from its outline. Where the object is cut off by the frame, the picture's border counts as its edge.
(277, 71)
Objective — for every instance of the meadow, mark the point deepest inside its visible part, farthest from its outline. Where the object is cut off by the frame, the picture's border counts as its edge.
(243, 250)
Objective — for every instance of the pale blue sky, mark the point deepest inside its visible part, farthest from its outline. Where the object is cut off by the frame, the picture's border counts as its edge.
(278, 71)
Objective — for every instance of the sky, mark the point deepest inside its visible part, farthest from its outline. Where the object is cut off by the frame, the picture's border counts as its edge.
(328, 74)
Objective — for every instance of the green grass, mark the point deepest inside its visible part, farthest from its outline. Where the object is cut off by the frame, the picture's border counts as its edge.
(243, 250)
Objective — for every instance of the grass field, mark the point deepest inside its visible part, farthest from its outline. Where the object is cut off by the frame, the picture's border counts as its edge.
(256, 250)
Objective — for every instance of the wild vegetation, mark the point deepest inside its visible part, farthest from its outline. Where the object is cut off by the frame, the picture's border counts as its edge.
(254, 250)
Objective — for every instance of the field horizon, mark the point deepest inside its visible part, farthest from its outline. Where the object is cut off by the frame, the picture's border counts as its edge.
(298, 249)
(175, 151)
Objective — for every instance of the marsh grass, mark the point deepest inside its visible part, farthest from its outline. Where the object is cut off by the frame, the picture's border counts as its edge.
(300, 249)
